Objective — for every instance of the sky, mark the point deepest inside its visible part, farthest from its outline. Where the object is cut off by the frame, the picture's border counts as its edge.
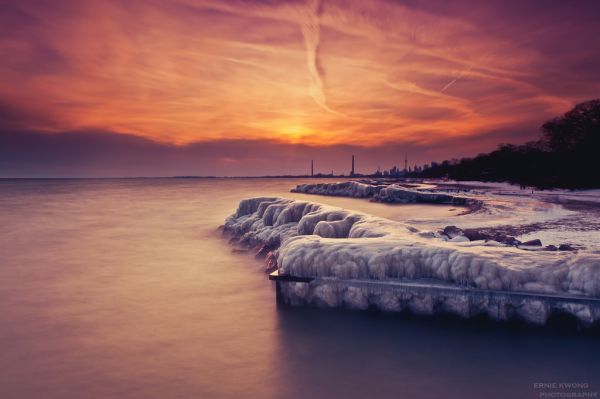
(254, 87)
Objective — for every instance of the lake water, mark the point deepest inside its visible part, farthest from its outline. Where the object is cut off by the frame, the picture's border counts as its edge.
(124, 288)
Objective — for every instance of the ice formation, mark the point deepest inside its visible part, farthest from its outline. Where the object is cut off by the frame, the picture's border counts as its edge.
(392, 193)
(487, 205)
(356, 258)
(342, 189)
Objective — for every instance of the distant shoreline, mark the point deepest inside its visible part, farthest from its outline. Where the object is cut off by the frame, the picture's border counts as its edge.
(388, 179)
(189, 177)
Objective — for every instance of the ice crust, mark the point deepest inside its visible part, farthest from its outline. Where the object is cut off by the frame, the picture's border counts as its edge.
(342, 189)
(340, 245)
(392, 193)
(486, 205)
(329, 295)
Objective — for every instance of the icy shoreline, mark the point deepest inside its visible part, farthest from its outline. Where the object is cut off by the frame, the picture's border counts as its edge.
(556, 217)
(391, 193)
(334, 246)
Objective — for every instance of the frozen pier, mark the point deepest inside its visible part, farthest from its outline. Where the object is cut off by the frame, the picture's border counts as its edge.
(331, 257)
(431, 297)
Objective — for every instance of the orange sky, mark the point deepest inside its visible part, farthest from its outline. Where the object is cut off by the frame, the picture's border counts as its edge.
(363, 73)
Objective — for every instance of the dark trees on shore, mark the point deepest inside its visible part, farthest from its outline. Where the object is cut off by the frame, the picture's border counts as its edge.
(567, 156)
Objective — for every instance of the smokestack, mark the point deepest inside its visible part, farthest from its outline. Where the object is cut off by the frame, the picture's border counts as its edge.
(352, 172)
(312, 167)
(406, 162)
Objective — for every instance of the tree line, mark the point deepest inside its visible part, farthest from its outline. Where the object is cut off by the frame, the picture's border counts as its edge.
(566, 156)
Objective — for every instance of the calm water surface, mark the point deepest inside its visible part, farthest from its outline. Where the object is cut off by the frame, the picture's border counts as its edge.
(123, 288)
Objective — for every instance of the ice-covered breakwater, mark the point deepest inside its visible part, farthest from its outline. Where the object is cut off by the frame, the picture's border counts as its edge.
(357, 260)
(351, 188)
(391, 193)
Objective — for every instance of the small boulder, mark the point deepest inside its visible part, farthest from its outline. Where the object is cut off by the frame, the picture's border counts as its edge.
(476, 235)
(427, 234)
(513, 241)
(565, 247)
(508, 240)
(452, 231)
(533, 243)
(551, 248)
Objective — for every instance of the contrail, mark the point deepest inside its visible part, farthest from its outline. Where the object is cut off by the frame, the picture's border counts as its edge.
(311, 30)
(460, 75)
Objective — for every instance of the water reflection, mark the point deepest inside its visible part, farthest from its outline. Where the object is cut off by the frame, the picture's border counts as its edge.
(333, 353)
(123, 288)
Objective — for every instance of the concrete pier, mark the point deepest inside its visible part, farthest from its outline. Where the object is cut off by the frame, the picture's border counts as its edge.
(279, 278)
(432, 296)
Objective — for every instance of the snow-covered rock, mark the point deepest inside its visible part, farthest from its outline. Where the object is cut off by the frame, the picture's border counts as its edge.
(340, 189)
(391, 193)
(326, 242)
(398, 194)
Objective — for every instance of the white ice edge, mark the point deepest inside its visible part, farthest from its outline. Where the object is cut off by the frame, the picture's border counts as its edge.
(323, 241)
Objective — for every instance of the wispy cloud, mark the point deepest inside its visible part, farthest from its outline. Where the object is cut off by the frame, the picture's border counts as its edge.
(311, 30)
(316, 71)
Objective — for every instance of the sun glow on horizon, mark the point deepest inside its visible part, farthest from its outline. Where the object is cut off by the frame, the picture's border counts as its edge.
(315, 73)
(294, 133)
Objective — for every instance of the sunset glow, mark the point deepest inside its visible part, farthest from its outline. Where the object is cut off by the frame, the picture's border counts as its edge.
(318, 73)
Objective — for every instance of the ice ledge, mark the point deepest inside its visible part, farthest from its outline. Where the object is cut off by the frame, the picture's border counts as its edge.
(428, 298)
(391, 193)
(335, 247)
